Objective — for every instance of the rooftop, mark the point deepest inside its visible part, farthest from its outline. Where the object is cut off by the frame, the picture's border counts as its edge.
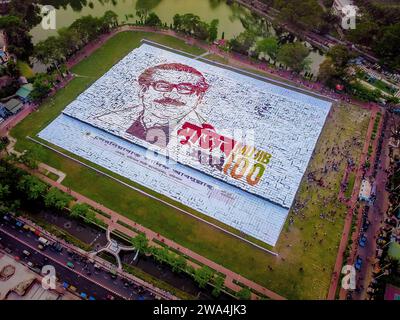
(13, 105)
(25, 90)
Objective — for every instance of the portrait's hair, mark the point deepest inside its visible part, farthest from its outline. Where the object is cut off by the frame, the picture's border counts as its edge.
(146, 78)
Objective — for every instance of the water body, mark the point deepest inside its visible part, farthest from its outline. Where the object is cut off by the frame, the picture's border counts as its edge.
(207, 10)
(229, 16)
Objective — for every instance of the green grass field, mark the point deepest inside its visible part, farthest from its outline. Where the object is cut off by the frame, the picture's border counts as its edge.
(350, 185)
(300, 272)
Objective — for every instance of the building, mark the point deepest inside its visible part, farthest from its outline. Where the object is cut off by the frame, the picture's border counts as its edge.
(338, 6)
(24, 92)
(365, 191)
(18, 282)
(12, 107)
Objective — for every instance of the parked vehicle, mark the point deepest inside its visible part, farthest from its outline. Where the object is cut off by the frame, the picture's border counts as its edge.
(70, 265)
(363, 241)
(57, 246)
(19, 224)
(44, 241)
(72, 288)
(26, 253)
(358, 264)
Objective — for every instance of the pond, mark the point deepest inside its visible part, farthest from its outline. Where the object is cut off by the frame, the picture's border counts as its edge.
(229, 16)
(207, 10)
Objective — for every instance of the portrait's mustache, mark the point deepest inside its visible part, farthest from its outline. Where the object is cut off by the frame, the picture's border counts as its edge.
(170, 101)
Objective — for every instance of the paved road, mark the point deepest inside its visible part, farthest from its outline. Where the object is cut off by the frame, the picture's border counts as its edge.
(375, 216)
(349, 216)
(96, 283)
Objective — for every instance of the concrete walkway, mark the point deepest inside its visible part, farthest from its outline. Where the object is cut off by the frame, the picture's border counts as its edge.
(113, 247)
(42, 166)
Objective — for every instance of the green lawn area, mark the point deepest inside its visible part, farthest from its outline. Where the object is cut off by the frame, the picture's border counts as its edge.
(350, 185)
(303, 273)
(25, 69)
(384, 87)
(52, 176)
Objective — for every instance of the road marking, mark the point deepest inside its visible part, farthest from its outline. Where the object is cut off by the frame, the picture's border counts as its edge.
(94, 240)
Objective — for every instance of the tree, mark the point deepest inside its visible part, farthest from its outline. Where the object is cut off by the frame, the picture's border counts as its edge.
(333, 69)
(50, 51)
(153, 20)
(387, 46)
(203, 275)
(294, 55)
(19, 39)
(192, 25)
(29, 158)
(70, 40)
(213, 30)
(218, 284)
(140, 242)
(79, 210)
(4, 191)
(27, 11)
(306, 14)
(32, 187)
(364, 33)
(244, 294)
(88, 27)
(90, 215)
(42, 85)
(328, 73)
(4, 141)
(363, 93)
(268, 46)
(142, 14)
(340, 55)
(243, 42)
(56, 199)
(178, 263)
(201, 31)
(177, 21)
(109, 20)
(160, 254)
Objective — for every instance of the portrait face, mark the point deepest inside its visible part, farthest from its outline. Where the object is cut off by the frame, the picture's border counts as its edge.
(171, 93)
